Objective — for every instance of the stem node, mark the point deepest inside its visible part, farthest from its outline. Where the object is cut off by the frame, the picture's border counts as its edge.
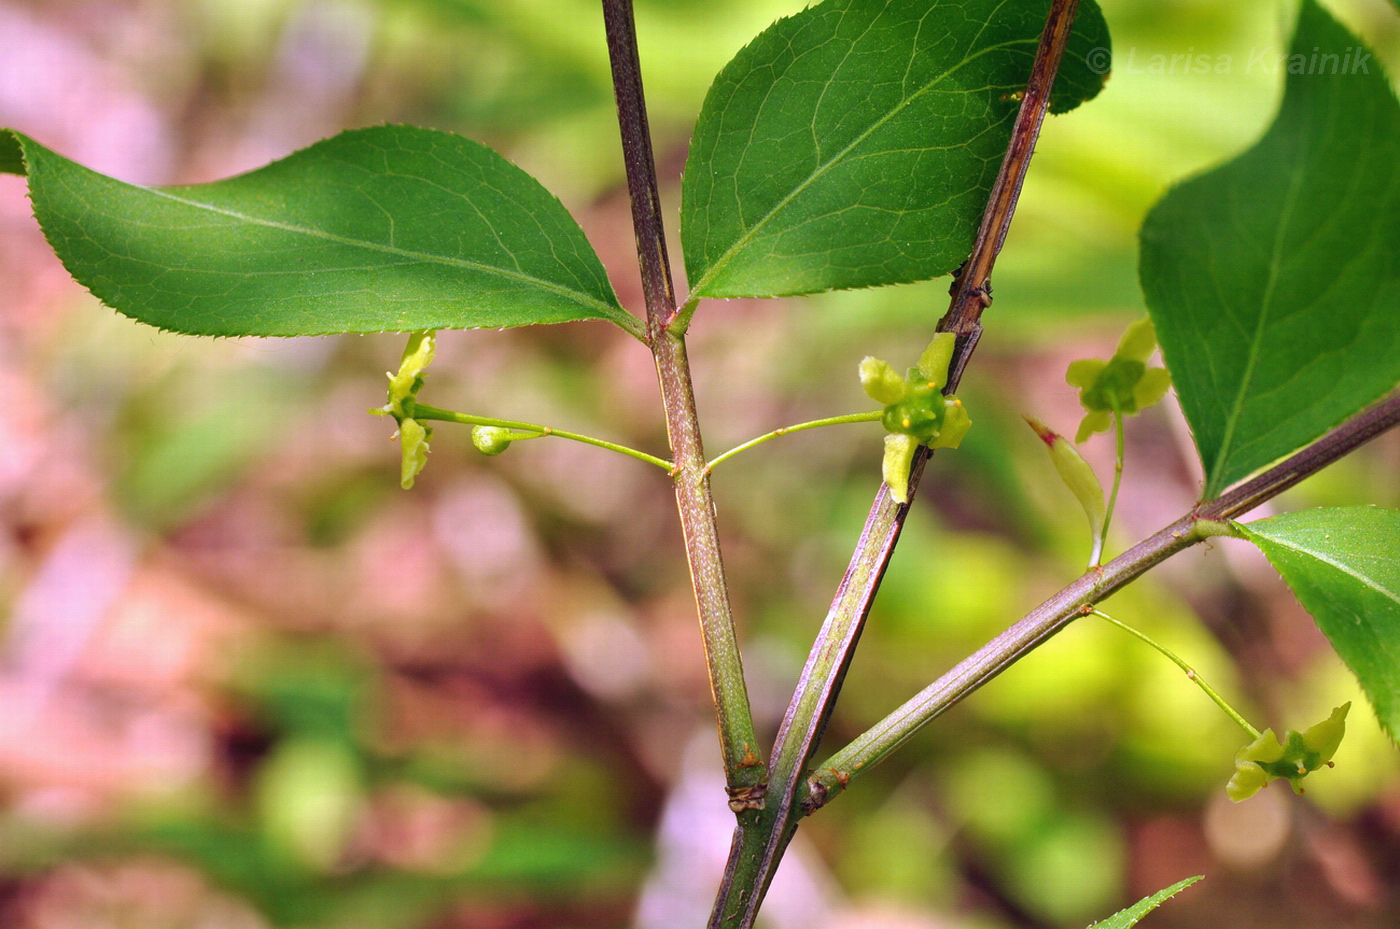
(747, 798)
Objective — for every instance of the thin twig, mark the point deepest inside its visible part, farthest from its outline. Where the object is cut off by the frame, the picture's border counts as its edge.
(745, 772)
(1191, 674)
(832, 776)
(870, 417)
(421, 411)
(756, 849)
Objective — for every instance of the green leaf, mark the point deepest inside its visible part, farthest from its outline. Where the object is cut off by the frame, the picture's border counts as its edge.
(1343, 564)
(854, 144)
(1124, 919)
(11, 158)
(1274, 280)
(391, 228)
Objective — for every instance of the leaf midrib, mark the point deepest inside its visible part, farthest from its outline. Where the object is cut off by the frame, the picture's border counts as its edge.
(608, 310)
(1368, 582)
(1266, 305)
(817, 173)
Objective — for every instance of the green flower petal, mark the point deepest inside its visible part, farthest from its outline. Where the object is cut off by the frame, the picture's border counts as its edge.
(1152, 388)
(881, 382)
(404, 385)
(1324, 738)
(1246, 782)
(1266, 748)
(899, 459)
(1084, 372)
(414, 438)
(1138, 342)
(934, 362)
(1094, 421)
(956, 422)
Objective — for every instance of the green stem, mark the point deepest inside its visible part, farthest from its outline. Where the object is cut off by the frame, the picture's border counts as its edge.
(423, 411)
(1199, 681)
(1097, 555)
(871, 417)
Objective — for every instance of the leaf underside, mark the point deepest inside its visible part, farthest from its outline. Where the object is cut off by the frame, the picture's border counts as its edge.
(1125, 919)
(391, 228)
(1274, 281)
(1343, 564)
(854, 144)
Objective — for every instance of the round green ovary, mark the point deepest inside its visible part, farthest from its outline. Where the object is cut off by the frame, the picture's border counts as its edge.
(1114, 389)
(920, 414)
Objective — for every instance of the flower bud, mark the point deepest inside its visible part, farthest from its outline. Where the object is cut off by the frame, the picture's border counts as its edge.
(1075, 472)
(491, 440)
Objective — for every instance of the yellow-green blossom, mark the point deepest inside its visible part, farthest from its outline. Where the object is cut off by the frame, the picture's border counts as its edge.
(916, 410)
(1123, 384)
(403, 395)
(1300, 754)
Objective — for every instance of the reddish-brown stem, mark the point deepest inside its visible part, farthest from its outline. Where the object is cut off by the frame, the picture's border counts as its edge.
(758, 847)
(745, 772)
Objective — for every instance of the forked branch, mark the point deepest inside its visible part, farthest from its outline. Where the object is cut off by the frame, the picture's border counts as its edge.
(1074, 601)
(758, 847)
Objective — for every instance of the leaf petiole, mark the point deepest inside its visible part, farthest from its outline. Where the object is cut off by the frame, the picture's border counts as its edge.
(871, 417)
(422, 411)
(681, 321)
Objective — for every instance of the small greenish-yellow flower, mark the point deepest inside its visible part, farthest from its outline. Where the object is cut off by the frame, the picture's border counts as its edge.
(1300, 754)
(403, 396)
(916, 410)
(1124, 384)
